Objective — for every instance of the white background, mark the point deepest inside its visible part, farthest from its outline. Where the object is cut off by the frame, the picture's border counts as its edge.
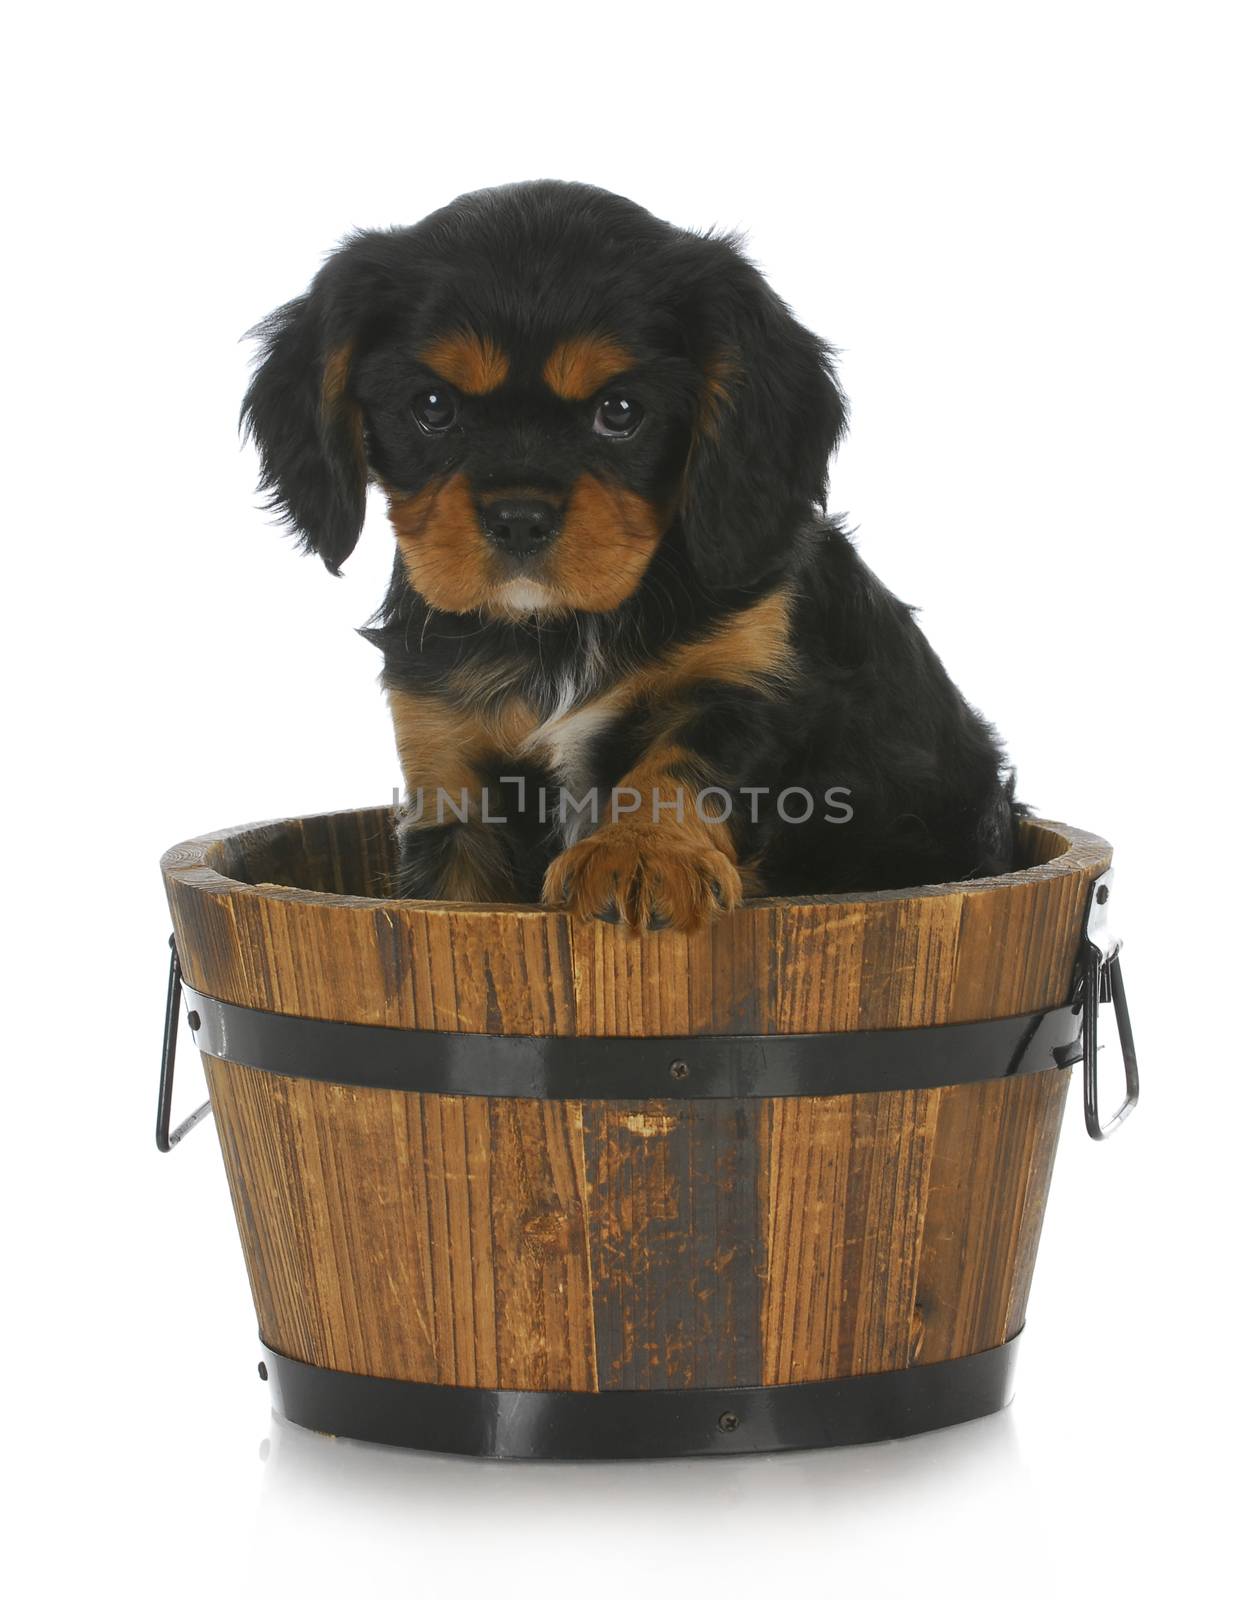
(1015, 223)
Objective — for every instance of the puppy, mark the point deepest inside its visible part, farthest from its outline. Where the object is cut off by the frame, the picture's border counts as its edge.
(634, 668)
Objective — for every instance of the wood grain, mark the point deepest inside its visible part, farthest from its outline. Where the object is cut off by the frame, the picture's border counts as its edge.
(284, 916)
(848, 1195)
(590, 1244)
(674, 1242)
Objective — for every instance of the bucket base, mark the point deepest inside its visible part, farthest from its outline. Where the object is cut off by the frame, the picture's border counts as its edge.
(644, 1424)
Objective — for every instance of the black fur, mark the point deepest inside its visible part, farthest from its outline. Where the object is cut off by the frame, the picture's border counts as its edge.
(869, 710)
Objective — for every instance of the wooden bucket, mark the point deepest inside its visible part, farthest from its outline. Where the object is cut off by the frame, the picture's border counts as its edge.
(509, 1184)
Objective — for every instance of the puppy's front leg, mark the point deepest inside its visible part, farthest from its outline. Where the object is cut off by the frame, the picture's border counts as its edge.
(666, 858)
(448, 849)
(451, 861)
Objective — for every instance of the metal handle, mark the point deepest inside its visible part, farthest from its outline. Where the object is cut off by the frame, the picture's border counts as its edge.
(1102, 983)
(166, 1140)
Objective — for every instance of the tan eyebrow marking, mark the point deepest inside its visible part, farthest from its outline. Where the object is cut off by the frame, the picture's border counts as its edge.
(473, 364)
(577, 368)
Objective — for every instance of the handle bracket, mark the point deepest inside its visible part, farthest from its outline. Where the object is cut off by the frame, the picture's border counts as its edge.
(1100, 983)
(167, 1137)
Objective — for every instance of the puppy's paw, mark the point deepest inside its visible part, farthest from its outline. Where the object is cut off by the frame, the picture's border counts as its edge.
(646, 878)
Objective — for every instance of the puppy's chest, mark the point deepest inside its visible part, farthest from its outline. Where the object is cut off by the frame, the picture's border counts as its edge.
(568, 724)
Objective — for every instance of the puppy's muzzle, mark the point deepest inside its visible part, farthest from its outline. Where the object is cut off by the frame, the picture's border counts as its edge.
(521, 528)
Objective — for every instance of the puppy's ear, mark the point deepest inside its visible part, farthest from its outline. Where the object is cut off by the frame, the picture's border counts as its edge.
(299, 411)
(769, 416)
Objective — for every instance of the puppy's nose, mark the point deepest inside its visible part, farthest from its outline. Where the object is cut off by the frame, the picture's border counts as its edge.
(520, 527)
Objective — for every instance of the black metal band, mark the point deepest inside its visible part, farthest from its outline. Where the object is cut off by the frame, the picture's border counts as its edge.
(642, 1424)
(700, 1067)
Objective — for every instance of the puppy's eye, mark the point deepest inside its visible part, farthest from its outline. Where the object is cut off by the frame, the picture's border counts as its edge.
(434, 410)
(617, 417)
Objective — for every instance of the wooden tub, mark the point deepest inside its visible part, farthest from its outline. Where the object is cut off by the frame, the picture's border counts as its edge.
(509, 1184)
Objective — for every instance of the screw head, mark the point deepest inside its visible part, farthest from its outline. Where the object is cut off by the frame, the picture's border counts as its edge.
(194, 1021)
(679, 1069)
(262, 1371)
(728, 1422)
(1102, 894)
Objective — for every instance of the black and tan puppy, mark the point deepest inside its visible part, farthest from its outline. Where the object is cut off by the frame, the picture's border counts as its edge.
(619, 618)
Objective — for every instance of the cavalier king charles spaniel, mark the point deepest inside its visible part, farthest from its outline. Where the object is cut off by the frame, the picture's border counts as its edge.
(635, 669)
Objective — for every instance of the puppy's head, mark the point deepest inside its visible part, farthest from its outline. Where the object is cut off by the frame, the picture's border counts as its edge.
(546, 381)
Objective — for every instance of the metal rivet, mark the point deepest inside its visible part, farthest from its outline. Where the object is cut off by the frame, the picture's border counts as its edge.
(262, 1371)
(679, 1069)
(1102, 894)
(728, 1422)
(194, 1020)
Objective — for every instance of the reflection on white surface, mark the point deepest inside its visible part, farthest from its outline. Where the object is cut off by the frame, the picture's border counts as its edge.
(840, 1508)
(300, 1467)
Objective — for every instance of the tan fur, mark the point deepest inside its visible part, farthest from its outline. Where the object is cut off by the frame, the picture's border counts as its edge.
(441, 745)
(441, 741)
(473, 364)
(441, 544)
(749, 648)
(716, 394)
(659, 860)
(335, 375)
(608, 539)
(650, 865)
(578, 368)
(669, 866)
(337, 407)
(433, 741)
(478, 868)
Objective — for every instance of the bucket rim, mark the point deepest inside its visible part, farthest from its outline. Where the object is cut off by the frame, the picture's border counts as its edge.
(193, 864)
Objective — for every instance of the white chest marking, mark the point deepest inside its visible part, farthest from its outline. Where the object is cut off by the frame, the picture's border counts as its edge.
(522, 596)
(565, 743)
